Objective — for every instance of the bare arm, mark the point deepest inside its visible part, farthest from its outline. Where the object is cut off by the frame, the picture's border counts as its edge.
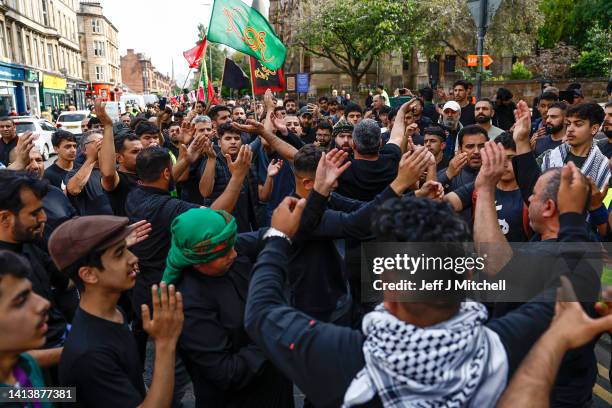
(80, 179)
(399, 127)
(454, 200)
(47, 357)
(280, 146)
(207, 181)
(522, 128)
(266, 190)
(239, 168)
(107, 157)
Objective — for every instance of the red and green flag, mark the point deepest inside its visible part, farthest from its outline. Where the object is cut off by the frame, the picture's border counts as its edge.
(244, 29)
(206, 92)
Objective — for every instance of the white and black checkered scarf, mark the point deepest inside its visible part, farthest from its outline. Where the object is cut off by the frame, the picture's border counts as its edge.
(456, 363)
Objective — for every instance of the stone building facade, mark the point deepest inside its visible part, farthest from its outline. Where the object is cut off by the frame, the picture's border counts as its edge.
(39, 56)
(99, 43)
(141, 77)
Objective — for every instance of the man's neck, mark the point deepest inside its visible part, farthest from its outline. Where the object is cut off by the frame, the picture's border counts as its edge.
(7, 139)
(64, 164)
(582, 150)
(368, 157)
(558, 135)
(464, 103)
(486, 126)
(5, 236)
(8, 360)
(507, 185)
(439, 157)
(160, 184)
(124, 170)
(100, 303)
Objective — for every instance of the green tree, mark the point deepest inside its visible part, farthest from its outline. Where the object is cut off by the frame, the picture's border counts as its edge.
(352, 34)
(218, 58)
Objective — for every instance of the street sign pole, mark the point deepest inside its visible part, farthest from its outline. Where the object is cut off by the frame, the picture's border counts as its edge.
(482, 30)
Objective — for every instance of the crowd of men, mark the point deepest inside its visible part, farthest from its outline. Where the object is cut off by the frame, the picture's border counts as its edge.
(219, 245)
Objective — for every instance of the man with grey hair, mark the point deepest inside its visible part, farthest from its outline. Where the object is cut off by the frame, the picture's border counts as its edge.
(372, 168)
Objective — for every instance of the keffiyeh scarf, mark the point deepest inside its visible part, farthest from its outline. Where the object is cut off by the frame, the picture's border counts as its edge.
(456, 363)
(596, 165)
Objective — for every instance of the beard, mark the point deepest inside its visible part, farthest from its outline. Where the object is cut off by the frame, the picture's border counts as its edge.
(450, 122)
(608, 133)
(482, 119)
(22, 234)
(554, 129)
(240, 121)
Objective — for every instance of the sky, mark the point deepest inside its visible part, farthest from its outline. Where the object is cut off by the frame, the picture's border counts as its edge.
(161, 29)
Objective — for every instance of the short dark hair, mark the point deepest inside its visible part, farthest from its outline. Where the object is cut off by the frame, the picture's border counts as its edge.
(574, 85)
(178, 114)
(306, 160)
(506, 140)
(289, 100)
(13, 264)
(236, 107)
(587, 111)
(323, 99)
(325, 125)
(60, 135)
(393, 113)
(5, 118)
(426, 93)
(136, 120)
(435, 131)
(173, 124)
(504, 94)
(469, 131)
(93, 121)
(461, 82)
(559, 105)
(491, 104)
(352, 107)
(13, 182)
(608, 105)
(146, 127)
(549, 96)
(151, 162)
(367, 136)
(201, 103)
(226, 128)
(93, 259)
(279, 108)
(122, 137)
(384, 110)
(215, 110)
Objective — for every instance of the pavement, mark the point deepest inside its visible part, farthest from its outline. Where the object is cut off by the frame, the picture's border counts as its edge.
(602, 392)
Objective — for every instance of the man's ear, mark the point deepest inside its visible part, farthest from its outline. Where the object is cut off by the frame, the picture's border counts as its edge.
(88, 275)
(594, 129)
(6, 219)
(308, 183)
(352, 144)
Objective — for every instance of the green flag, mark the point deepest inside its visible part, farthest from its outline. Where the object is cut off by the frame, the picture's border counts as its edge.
(241, 27)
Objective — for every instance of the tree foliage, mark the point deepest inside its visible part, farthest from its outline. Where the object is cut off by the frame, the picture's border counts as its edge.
(218, 57)
(353, 33)
(553, 63)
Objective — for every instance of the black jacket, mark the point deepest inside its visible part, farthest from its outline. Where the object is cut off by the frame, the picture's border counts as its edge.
(226, 367)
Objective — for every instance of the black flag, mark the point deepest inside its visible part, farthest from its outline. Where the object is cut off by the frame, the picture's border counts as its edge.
(233, 77)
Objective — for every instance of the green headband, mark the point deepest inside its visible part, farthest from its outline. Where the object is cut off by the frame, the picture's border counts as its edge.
(199, 236)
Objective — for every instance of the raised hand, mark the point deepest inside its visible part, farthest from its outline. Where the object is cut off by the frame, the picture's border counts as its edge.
(286, 217)
(493, 166)
(597, 196)
(522, 125)
(431, 189)
(456, 164)
(251, 126)
(167, 321)
(279, 124)
(240, 167)
(186, 132)
(141, 231)
(573, 190)
(274, 167)
(101, 113)
(411, 167)
(25, 143)
(195, 150)
(92, 149)
(268, 100)
(331, 165)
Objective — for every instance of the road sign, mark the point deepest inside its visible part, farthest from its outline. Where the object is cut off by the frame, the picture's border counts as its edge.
(302, 82)
(474, 7)
(487, 60)
(472, 60)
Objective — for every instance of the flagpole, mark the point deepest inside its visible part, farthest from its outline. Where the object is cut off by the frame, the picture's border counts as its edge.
(186, 78)
(222, 75)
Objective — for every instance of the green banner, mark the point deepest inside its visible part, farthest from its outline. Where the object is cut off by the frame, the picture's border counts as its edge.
(241, 27)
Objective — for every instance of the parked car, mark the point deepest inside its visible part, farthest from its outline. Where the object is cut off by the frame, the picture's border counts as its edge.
(71, 121)
(41, 128)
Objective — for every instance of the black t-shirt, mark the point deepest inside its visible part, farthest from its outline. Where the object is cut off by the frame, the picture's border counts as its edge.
(364, 179)
(5, 150)
(100, 359)
(309, 136)
(545, 143)
(578, 160)
(510, 210)
(160, 209)
(56, 175)
(58, 209)
(92, 200)
(606, 148)
(467, 115)
(118, 197)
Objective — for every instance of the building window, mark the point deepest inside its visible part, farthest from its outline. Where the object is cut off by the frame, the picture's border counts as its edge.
(28, 51)
(95, 26)
(99, 48)
(35, 60)
(50, 60)
(449, 63)
(2, 45)
(20, 47)
(99, 73)
(45, 12)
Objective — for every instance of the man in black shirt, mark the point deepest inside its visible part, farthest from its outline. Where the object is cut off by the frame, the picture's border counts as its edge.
(151, 201)
(65, 146)
(100, 357)
(372, 168)
(504, 109)
(435, 141)
(463, 168)
(117, 182)
(555, 129)
(606, 145)
(460, 88)
(8, 141)
(22, 220)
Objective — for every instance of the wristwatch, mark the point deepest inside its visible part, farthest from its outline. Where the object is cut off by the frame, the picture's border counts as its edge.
(273, 232)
